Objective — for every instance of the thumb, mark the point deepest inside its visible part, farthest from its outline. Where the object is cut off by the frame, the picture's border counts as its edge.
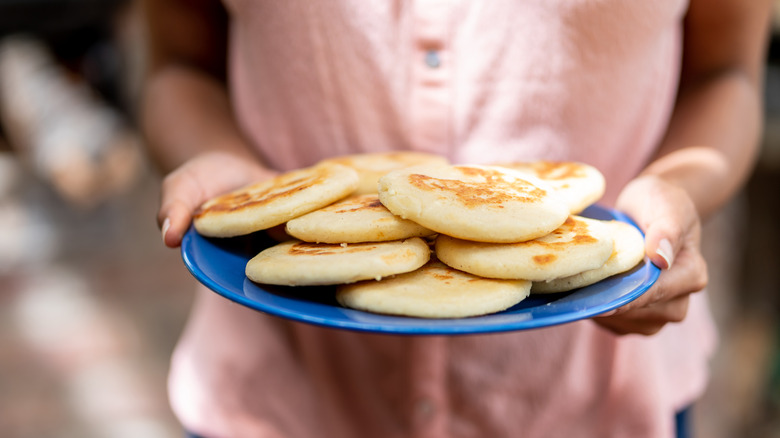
(665, 214)
(180, 196)
(197, 181)
(663, 240)
(174, 217)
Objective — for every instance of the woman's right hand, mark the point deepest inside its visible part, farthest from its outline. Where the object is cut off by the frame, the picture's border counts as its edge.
(201, 178)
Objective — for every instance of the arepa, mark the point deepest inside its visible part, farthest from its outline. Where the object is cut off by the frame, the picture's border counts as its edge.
(434, 291)
(479, 203)
(353, 220)
(296, 263)
(578, 185)
(372, 166)
(577, 245)
(628, 252)
(273, 202)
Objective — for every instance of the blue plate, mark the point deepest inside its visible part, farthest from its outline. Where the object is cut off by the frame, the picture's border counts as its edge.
(219, 264)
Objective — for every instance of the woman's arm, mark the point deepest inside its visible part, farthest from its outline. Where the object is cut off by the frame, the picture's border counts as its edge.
(707, 154)
(714, 134)
(185, 112)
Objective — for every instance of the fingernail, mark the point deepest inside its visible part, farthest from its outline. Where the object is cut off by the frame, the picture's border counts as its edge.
(165, 226)
(609, 313)
(666, 252)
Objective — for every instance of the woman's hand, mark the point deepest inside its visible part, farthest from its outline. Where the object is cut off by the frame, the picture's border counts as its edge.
(198, 180)
(672, 230)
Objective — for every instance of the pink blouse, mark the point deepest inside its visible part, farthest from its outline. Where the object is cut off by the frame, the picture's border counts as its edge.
(477, 81)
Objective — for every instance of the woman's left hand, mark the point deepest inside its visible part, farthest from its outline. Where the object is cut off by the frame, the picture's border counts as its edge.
(672, 230)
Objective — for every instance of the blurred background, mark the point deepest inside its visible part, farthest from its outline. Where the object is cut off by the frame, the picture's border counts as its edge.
(91, 303)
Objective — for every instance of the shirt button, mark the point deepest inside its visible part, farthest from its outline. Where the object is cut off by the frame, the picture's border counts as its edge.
(424, 408)
(432, 59)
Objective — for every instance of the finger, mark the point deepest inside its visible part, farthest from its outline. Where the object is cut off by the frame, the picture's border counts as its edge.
(175, 225)
(185, 189)
(647, 320)
(666, 230)
(666, 215)
(688, 275)
(180, 196)
(667, 237)
(663, 240)
(670, 311)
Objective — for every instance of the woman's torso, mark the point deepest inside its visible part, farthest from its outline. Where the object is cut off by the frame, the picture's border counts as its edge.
(586, 80)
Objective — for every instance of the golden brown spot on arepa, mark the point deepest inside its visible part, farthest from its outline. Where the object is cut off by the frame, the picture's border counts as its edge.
(305, 248)
(494, 190)
(578, 227)
(245, 199)
(443, 276)
(552, 170)
(396, 256)
(359, 205)
(544, 259)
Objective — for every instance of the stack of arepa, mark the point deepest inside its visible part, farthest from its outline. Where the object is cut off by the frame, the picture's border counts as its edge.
(431, 240)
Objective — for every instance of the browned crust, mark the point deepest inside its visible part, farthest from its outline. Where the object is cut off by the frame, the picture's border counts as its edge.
(493, 191)
(360, 204)
(581, 236)
(245, 199)
(545, 259)
(552, 170)
(320, 249)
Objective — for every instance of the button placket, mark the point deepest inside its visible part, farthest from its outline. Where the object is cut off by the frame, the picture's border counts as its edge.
(428, 405)
(424, 408)
(431, 75)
